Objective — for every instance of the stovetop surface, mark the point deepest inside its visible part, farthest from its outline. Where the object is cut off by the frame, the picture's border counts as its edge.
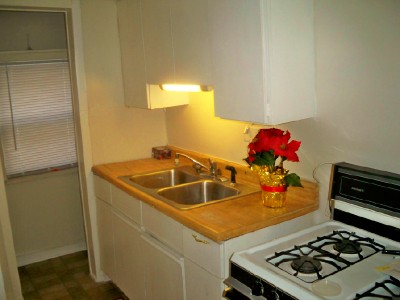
(336, 275)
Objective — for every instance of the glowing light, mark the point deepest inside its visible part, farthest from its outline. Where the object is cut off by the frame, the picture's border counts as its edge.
(184, 88)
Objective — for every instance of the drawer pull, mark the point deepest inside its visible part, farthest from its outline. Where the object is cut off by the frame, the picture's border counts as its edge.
(199, 240)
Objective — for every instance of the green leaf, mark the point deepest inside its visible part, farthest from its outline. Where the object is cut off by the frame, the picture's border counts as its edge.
(268, 157)
(293, 179)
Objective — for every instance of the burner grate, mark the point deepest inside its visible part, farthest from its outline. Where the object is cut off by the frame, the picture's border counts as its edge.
(325, 255)
(348, 243)
(387, 289)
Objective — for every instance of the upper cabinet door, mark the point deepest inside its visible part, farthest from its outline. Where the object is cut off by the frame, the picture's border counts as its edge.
(162, 41)
(132, 53)
(191, 41)
(263, 59)
(158, 50)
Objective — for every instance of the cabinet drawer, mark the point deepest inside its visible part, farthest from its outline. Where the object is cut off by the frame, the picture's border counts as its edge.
(102, 188)
(203, 251)
(126, 204)
(162, 227)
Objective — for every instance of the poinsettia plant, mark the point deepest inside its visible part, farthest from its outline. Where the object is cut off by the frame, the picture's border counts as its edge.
(270, 148)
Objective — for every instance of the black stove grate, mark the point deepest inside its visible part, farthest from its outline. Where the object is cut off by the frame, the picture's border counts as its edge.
(308, 259)
(387, 289)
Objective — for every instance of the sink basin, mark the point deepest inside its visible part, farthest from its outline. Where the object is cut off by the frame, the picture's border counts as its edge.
(162, 179)
(183, 188)
(198, 192)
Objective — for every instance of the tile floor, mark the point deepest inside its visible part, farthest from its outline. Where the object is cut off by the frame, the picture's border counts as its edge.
(65, 277)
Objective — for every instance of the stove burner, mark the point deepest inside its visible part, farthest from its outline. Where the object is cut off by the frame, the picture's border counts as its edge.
(325, 255)
(346, 246)
(306, 264)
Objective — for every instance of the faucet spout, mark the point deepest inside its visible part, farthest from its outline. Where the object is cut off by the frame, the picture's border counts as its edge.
(196, 164)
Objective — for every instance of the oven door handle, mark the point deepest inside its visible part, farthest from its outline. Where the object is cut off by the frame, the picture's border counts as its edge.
(235, 287)
(228, 293)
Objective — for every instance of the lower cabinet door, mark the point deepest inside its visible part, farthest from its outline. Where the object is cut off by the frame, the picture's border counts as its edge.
(129, 258)
(200, 284)
(106, 241)
(164, 271)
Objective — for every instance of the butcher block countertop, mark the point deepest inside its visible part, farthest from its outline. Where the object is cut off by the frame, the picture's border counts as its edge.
(223, 220)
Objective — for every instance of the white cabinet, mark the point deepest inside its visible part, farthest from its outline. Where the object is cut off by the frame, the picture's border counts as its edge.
(162, 42)
(104, 225)
(105, 235)
(164, 271)
(164, 228)
(200, 284)
(157, 42)
(263, 59)
(205, 252)
(191, 42)
(129, 258)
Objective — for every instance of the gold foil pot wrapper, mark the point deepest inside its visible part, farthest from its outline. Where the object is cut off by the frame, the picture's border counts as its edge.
(273, 188)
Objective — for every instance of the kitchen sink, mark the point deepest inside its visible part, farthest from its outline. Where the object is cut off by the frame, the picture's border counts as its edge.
(183, 188)
(164, 178)
(198, 193)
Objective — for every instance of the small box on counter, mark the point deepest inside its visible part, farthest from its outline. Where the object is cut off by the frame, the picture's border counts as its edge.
(161, 152)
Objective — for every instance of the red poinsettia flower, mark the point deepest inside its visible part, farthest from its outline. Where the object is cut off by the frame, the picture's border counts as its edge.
(267, 139)
(288, 149)
(269, 145)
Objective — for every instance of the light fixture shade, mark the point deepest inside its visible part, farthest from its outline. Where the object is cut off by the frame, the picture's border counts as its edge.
(185, 88)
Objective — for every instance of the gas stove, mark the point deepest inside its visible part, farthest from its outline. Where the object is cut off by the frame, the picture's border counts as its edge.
(356, 255)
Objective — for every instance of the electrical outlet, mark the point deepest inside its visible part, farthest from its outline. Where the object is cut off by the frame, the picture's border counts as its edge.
(247, 134)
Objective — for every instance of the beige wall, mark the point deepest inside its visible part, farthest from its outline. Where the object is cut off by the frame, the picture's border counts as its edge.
(46, 215)
(117, 133)
(358, 75)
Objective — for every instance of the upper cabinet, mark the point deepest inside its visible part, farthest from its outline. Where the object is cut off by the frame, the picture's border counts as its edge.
(191, 41)
(263, 59)
(162, 41)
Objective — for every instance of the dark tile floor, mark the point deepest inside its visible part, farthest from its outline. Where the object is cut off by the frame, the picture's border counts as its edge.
(65, 277)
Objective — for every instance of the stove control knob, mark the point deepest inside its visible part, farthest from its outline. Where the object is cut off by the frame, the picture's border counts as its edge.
(276, 296)
(257, 288)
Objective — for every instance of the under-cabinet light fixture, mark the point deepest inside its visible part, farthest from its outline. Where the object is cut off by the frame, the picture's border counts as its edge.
(185, 88)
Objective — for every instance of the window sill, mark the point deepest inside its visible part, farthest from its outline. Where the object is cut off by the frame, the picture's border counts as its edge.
(41, 176)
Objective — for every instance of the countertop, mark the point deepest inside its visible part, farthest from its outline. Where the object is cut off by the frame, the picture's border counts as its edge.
(220, 221)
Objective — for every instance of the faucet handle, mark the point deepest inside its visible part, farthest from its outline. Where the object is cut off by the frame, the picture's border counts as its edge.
(213, 167)
(176, 161)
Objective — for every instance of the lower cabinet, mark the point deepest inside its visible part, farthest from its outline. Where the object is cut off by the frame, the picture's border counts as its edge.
(106, 241)
(164, 271)
(200, 284)
(151, 256)
(129, 258)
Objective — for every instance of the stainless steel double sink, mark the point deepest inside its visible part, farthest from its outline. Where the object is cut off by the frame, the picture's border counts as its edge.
(183, 188)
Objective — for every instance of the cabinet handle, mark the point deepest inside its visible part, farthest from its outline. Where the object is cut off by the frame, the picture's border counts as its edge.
(199, 240)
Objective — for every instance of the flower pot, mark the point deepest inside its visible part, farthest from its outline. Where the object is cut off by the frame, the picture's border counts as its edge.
(273, 188)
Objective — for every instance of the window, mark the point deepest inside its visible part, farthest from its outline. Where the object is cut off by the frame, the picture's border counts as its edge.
(36, 118)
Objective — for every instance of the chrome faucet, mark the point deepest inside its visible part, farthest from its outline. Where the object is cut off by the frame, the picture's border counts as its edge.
(214, 172)
(196, 164)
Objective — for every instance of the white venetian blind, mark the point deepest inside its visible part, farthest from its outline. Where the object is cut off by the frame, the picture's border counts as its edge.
(36, 118)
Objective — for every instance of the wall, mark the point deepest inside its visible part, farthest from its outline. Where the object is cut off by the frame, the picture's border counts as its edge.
(117, 133)
(358, 75)
(46, 216)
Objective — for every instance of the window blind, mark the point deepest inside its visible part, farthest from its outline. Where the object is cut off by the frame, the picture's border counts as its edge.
(36, 118)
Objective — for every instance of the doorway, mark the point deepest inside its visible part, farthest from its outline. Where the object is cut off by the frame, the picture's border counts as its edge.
(45, 207)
